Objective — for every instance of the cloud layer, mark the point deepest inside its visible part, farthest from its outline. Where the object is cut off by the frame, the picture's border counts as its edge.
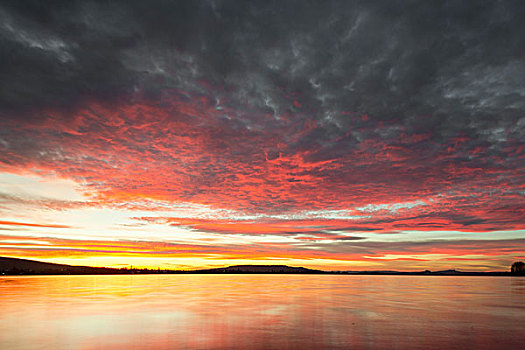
(316, 119)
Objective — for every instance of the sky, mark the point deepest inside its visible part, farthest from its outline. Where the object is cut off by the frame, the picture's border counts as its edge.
(341, 135)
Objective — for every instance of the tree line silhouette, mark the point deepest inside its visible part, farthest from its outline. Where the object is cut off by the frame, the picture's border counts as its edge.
(518, 268)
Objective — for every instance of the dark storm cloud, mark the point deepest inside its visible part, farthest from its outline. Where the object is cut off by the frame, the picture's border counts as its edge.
(393, 60)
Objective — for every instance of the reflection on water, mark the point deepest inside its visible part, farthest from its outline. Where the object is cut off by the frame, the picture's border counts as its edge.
(261, 312)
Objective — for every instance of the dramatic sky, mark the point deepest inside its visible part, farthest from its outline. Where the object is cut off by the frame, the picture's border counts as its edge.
(343, 135)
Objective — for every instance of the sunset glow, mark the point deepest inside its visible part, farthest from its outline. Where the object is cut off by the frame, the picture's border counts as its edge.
(155, 142)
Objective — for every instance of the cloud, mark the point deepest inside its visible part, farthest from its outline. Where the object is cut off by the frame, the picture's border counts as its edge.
(14, 223)
(185, 150)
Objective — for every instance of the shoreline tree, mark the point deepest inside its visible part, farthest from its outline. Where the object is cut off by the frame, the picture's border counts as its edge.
(518, 268)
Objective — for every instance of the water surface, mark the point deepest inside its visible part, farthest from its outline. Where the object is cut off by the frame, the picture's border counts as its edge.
(261, 312)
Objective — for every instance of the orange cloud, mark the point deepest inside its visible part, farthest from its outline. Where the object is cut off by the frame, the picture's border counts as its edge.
(13, 223)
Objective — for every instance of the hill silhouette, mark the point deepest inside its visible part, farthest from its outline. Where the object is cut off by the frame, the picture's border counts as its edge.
(15, 266)
(260, 269)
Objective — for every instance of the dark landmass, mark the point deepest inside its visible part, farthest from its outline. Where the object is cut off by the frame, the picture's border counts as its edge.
(14, 266)
(261, 269)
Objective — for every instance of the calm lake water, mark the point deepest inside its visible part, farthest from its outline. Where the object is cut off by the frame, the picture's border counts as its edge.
(261, 312)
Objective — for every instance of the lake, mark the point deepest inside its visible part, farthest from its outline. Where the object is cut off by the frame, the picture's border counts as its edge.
(261, 312)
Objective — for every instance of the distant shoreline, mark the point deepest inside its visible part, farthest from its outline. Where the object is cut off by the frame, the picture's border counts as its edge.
(343, 273)
(24, 267)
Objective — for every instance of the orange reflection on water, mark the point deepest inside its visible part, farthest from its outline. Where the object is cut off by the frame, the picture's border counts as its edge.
(260, 312)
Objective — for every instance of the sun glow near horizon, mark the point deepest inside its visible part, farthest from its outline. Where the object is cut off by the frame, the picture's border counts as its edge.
(54, 220)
